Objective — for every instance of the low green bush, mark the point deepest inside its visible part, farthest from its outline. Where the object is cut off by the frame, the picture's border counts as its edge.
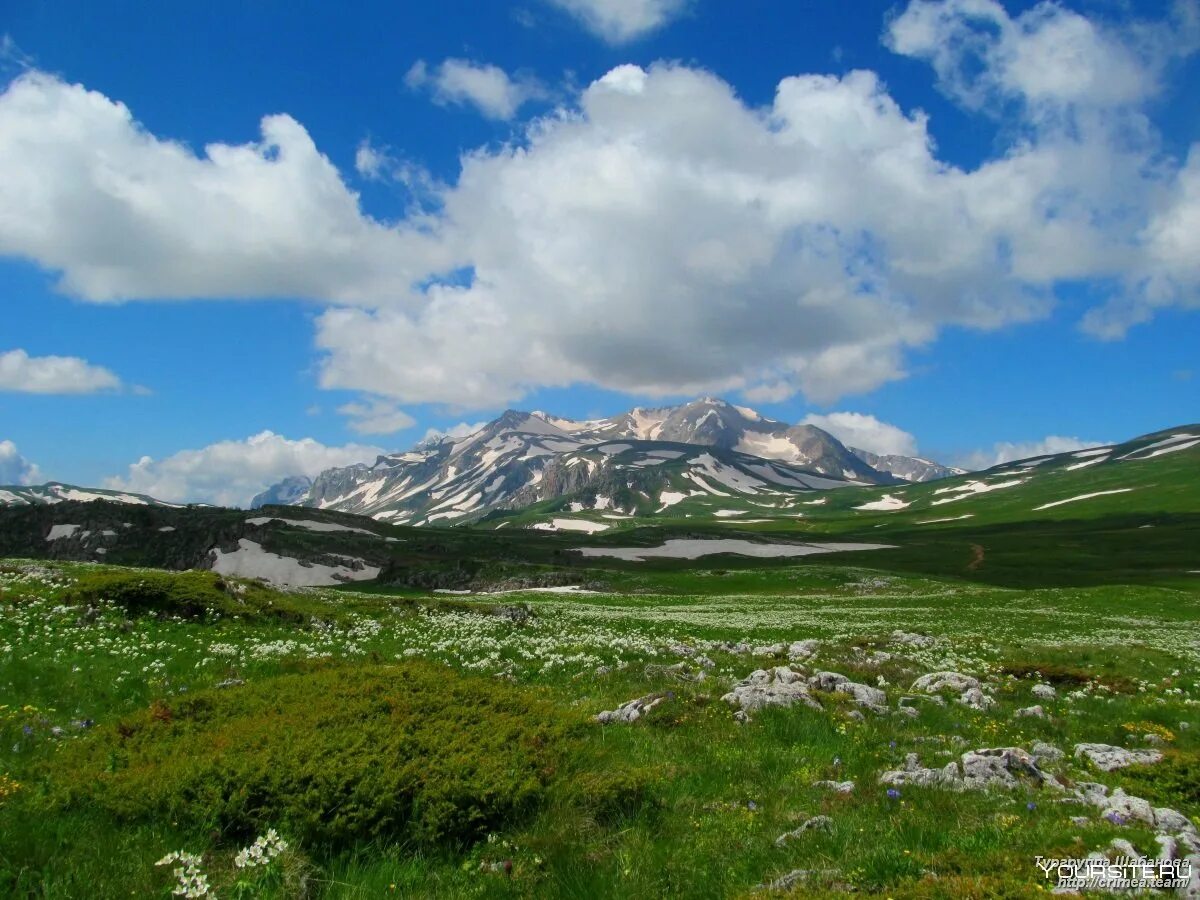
(411, 753)
(192, 595)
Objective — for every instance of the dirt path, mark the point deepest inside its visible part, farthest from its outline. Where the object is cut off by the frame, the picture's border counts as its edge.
(976, 557)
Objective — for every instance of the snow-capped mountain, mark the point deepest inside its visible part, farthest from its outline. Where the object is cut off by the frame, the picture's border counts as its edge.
(908, 468)
(55, 492)
(642, 460)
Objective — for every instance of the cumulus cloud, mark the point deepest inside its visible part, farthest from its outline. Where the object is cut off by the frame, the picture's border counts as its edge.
(1006, 451)
(376, 416)
(620, 21)
(123, 214)
(659, 236)
(865, 432)
(14, 468)
(462, 82)
(27, 374)
(230, 473)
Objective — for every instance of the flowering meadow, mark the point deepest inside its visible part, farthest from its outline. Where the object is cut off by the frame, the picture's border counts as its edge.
(328, 743)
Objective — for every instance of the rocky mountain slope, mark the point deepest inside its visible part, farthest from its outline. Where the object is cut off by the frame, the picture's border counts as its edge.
(907, 468)
(55, 492)
(638, 462)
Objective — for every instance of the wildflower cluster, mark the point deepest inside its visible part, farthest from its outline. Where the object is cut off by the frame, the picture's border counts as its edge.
(262, 852)
(190, 880)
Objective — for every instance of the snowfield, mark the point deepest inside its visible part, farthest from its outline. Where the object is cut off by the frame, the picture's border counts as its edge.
(886, 503)
(570, 525)
(1083, 497)
(250, 560)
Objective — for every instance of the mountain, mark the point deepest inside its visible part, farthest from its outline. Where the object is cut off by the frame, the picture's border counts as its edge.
(907, 468)
(55, 492)
(288, 492)
(639, 462)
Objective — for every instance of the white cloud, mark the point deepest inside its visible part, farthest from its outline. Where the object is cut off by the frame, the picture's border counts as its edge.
(659, 236)
(376, 416)
(27, 374)
(619, 21)
(229, 473)
(461, 430)
(865, 432)
(1006, 451)
(486, 87)
(85, 190)
(14, 468)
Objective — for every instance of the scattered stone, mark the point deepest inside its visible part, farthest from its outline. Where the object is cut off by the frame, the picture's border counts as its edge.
(914, 774)
(816, 823)
(826, 681)
(856, 716)
(1108, 758)
(911, 711)
(940, 681)
(798, 876)
(1080, 820)
(705, 663)
(1168, 847)
(779, 686)
(230, 682)
(1044, 691)
(630, 712)
(768, 650)
(863, 694)
(976, 770)
(800, 650)
(1048, 752)
(838, 787)
(912, 639)
(975, 698)
(1033, 712)
(679, 670)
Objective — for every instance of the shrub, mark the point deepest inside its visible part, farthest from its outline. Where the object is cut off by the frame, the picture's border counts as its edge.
(192, 595)
(412, 753)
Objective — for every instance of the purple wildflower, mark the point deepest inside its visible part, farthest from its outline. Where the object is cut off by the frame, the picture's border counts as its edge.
(893, 794)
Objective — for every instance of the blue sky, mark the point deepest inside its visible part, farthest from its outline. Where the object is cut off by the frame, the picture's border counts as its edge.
(977, 223)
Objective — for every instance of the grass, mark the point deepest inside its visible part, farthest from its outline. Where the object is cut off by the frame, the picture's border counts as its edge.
(117, 745)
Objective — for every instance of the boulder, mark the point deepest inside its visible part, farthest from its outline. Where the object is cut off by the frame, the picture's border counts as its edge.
(630, 712)
(800, 650)
(838, 787)
(911, 639)
(941, 681)
(1032, 712)
(779, 686)
(1044, 691)
(1108, 758)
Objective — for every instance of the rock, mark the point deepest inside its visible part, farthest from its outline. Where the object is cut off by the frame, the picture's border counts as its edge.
(1122, 808)
(816, 823)
(1043, 751)
(838, 787)
(1153, 740)
(798, 876)
(680, 670)
(940, 681)
(1080, 820)
(768, 650)
(705, 663)
(803, 649)
(975, 699)
(230, 682)
(1044, 691)
(856, 716)
(1168, 847)
(1122, 847)
(1034, 712)
(1108, 758)
(911, 711)
(630, 712)
(912, 639)
(770, 687)
(1189, 841)
(913, 774)
(1000, 766)
(826, 681)
(1170, 821)
(864, 695)
(1191, 890)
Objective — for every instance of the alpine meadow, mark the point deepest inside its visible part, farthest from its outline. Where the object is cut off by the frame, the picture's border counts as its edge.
(606, 449)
